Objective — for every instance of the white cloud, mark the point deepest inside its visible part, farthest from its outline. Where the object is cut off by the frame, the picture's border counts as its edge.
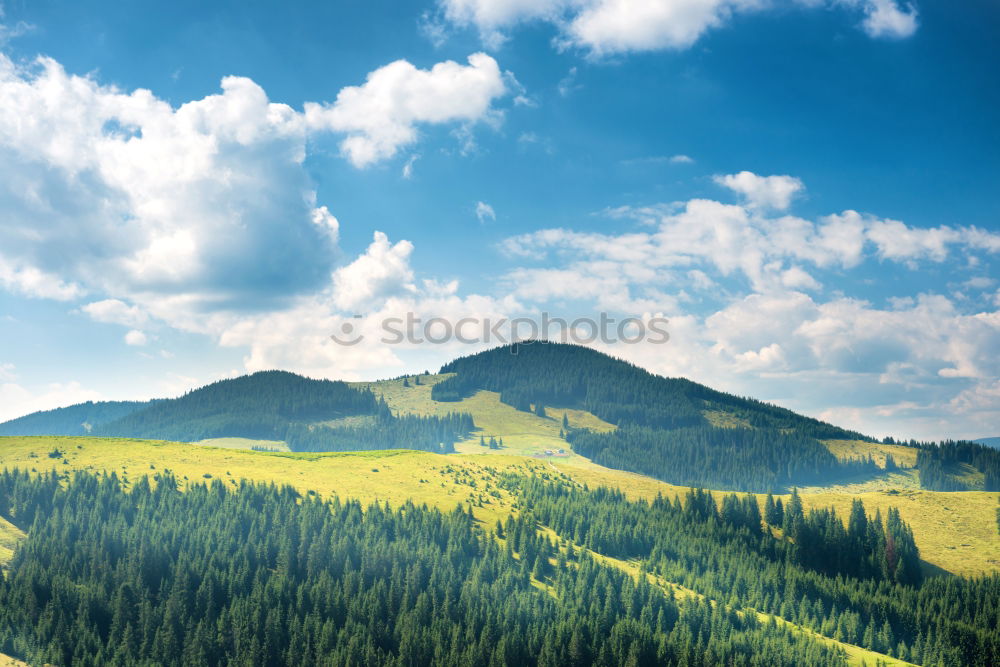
(382, 115)
(485, 212)
(136, 338)
(9, 32)
(491, 17)
(187, 213)
(763, 191)
(33, 282)
(115, 311)
(7, 372)
(769, 253)
(605, 27)
(885, 18)
(568, 83)
(619, 26)
(681, 159)
(382, 271)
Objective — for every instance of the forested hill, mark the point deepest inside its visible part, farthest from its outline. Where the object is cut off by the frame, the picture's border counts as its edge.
(261, 405)
(310, 415)
(614, 390)
(74, 420)
(670, 428)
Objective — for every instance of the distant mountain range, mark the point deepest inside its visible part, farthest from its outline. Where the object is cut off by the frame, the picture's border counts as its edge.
(669, 428)
(989, 442)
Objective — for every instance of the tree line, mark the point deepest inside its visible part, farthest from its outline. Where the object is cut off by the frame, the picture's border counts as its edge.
(759, 460)
(939, 466)
(385, 431)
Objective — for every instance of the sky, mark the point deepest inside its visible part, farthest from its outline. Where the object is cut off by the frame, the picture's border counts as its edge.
(805, 190)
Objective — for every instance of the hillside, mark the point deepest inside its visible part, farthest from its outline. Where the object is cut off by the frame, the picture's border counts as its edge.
(73, 420)
(669, 428)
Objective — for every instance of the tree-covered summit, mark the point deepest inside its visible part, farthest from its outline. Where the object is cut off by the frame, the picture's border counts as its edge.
(613, 389)
(663, 426)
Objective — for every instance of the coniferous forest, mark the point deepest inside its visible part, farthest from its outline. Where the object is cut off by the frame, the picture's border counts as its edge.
(725, 458)
(259, 574)
(941, 466)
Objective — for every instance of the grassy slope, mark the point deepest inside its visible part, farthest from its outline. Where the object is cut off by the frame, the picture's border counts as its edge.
(393, 475)
(905, 457)
(10, 535)
(523, 433)
(244, 443)
(956, 531)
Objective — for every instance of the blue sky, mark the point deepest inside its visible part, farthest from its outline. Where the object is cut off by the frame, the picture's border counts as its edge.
(805, 188)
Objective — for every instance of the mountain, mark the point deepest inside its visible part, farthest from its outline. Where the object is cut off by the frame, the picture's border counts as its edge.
(310, 415)
(74, 420)
(670, 428)
(989, 442)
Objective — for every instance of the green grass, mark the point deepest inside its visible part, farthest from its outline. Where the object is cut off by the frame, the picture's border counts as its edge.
(523, 433)
(10, 535)
(723, 419)
(245, 443)
(395, 475)
(905, 457)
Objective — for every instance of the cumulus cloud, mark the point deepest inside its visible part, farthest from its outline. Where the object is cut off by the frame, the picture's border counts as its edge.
(115, 311)
(618, 26)
(763, 191)
(382, 115)
(194, 210)
(769, 253)
(886, 18)
(604, 27)
(32, 282)
(383, 270)
(485, 212)
(491, 17)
